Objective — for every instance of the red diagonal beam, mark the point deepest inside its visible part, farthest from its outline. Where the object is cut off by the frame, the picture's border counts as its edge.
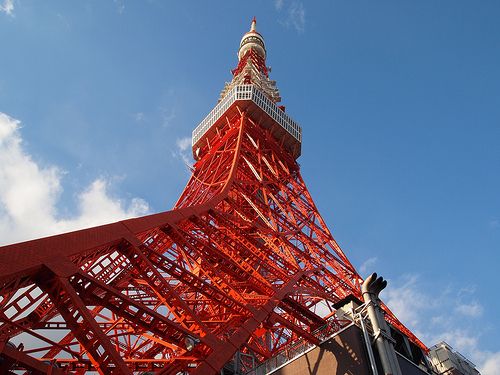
(100, 350)
(13, 357)
(98, 293)
(195, 282)
(150, 273)
(225, 350)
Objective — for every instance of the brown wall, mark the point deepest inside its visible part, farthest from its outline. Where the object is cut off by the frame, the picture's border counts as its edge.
(344, 355)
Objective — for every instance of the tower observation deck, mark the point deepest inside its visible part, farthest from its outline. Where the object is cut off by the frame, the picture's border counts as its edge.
(252, 100)
(241, 272)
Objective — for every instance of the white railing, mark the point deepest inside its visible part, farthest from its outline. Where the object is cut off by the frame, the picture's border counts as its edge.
(248, 92)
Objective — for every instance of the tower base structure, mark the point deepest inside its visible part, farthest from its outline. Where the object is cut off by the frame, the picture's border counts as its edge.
(351, 350)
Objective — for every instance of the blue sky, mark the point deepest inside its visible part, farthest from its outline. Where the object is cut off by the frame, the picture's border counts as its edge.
(399, 103)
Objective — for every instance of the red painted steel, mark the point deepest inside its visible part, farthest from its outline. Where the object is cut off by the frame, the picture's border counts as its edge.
(244, 262)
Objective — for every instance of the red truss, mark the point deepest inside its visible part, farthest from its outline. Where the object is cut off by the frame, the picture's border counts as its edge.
(243, 263)
(256, 59)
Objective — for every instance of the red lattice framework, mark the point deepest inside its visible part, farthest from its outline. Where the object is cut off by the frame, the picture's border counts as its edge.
(251, 57)
(243, 263)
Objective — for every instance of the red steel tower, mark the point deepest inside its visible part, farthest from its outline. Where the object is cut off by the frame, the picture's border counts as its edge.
(243, 265)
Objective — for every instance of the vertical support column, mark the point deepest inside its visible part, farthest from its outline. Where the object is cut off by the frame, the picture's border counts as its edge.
(371, 288)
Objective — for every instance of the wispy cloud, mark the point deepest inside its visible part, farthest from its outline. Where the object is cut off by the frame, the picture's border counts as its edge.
(120, 6)
(408, 302)
(30, 192)
(294, 14)
(297, 16)
(167, 114)
(183, 150)
(7, 7)
(139, 116)
(367, 265)
(184, 143)
(473, 309)
(437, 314)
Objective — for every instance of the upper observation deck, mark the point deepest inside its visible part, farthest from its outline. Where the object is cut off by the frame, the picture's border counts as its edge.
(260, 108)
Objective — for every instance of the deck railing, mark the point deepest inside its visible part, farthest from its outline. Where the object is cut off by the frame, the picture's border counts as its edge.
(248, 92)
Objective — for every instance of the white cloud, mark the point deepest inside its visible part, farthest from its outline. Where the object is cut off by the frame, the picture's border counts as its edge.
(408, 302)
(429, 313)
(7, 7)
(491, 364)
(184, 148)
(29, 194)
(461, 339)
(97, 207)
(295, 14)
(184, 143)
(367, 265)
(473, 309)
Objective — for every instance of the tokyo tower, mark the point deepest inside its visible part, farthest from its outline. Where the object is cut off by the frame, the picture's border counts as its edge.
(243, 268)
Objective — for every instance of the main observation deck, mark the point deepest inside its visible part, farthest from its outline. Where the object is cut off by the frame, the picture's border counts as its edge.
(260, 108)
